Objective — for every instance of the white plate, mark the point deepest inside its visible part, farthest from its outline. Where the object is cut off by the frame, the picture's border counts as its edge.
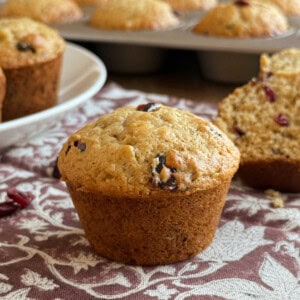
(83, 74)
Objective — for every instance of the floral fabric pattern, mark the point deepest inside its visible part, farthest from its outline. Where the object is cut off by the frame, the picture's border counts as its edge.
(44, 253)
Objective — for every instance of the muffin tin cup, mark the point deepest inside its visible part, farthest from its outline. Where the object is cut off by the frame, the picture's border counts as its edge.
(130, 59)
(228, 67)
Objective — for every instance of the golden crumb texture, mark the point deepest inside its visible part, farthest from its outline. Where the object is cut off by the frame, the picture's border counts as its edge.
(136, 153)
(24, 42)
(289, 7)
(189, 5)
(286, 61)
(134, 15)
(243, 19)
(47, 11)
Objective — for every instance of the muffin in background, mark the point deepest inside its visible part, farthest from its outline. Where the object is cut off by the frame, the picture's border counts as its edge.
(46, 11)
(243, 19)
(263, 120)
(134, 15)
(30, 56)
(148, 182)
(289, 7)
(190, 5)
(286, 61)
(2, 91)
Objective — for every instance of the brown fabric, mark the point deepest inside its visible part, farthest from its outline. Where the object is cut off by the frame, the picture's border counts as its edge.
(44, 253)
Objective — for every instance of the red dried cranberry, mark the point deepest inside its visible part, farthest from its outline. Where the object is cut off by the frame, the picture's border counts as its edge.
(24, 47)
(282, 120)
(80, 145)
(148, 107)
(22, 198)
(239, 131)
(269, 93)
(241, 2)
(7, 208)
(170, 184)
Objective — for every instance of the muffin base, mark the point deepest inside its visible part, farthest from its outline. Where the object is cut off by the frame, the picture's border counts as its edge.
(31, 89)
(2, 91)
(164, 228)
(279, 175)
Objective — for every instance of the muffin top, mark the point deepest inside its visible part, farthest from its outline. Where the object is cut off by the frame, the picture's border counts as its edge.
(286, 61)
(289, 7)
(263, 118)
(147, 149)
(24, 42)
(187, 5)
(242, 19)
(47, 11)
(134, 15)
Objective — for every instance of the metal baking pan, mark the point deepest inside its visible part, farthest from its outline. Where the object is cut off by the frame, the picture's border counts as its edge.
(220, 59)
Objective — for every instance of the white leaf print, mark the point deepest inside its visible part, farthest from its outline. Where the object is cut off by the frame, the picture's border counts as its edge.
(187, 268)
(162, 292)
(276, 276)
(17, 295)
(167, 270)
(34, 279)
(3, 277)
(5, 287)
(233, 288)
(290, 215)
(56, 192)
(232, 241)
(118, 279)
(83, 262)
(252, 205)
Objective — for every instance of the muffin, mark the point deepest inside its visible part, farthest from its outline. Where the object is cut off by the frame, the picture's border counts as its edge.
(30, 56)
(286, 61)
(2, 91)
(47, 11)
(148, 182)
(263, 120)
(289, 7)
(134, 15)
(189, 5)
(243, 19)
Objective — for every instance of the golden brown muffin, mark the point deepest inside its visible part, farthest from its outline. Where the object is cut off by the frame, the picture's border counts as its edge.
(286, 61)
(148, 182)
(134, 15)
(243, 19)
(289, 7)
(2, 91)
(47, 11)
(263, 120)
(189, 5)
(30, 56)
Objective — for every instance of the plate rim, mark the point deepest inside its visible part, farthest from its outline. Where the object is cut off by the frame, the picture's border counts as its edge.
(68, 104)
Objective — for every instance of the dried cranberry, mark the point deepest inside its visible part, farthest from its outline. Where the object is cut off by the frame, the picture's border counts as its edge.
(239, 131)
(24, 47)
(241, 2)
(269, 93)
(282, 120)
(7, 208)
(170, 184)
(22, 198)
(149, 107)
(81, 146)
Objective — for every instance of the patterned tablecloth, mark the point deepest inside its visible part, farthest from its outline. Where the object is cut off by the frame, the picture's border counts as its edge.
(45, 255)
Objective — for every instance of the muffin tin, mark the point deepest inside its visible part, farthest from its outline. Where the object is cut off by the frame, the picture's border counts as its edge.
(220, 59)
